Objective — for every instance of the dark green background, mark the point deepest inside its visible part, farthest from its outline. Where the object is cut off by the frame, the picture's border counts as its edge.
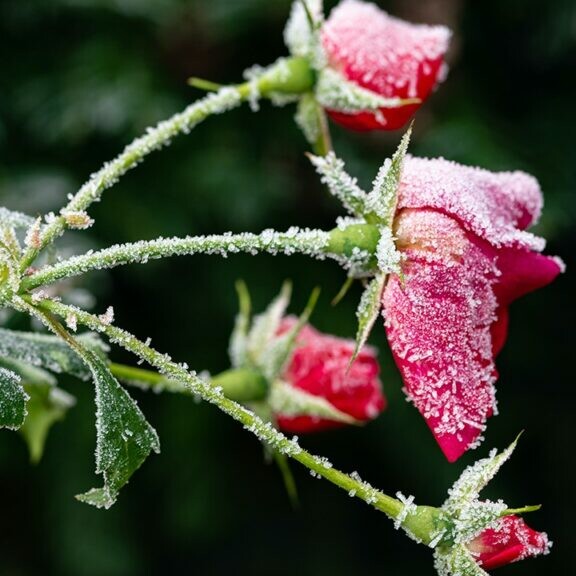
(78, 80)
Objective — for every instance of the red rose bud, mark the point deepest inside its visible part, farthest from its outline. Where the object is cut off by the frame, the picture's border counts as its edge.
(319, 366)
(385, 55)
(510, 541)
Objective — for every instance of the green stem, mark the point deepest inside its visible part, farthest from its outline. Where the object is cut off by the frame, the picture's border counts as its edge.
(310, 242)
(287, 75)
(263, 430)
(323, 144)
(241, 385)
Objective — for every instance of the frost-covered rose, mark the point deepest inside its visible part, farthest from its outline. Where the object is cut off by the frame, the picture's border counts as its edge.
(466, 257)
(387, 56)
(511, 540)
(319, 366)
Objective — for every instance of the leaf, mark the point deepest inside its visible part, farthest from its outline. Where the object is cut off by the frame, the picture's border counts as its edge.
(383, 197)
(279, 351)
(265, 325)
(47, 405)
(124, 437)
(12, 400)
(49, 352)
(298, 33)
(456, 561)
(308, 119)
(340, 184)
(466, 489)
(290, 401)
(368, 311)
(237, 348)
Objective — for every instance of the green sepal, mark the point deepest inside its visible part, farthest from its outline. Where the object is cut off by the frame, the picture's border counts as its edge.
(368, 311)
(456, 561)
(290, 401)
(238, 347)
(383, 198)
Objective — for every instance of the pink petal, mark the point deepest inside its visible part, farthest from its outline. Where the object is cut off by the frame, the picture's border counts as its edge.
(495, 206)
(438, 320)
(386, 55)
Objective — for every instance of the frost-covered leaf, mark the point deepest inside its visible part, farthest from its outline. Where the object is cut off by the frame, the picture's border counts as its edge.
(279, 351)
(474, 478)
(12, 400)
(49, 352)
(29, 374)
(287, 400)
(340, 184)
(335, 92)
(308, 118)
(239, 340)
(47, 405)
(388, 256)
(368, 311)
(265, 325)
(124, 437)
(383, 197)
(298, 33)
(15, 219)
(456, 561)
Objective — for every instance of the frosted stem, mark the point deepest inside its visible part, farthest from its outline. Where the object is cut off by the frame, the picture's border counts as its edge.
(154, 139)
(264, 431)
(310, 242)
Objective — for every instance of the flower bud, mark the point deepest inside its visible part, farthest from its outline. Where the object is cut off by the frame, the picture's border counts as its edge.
(320, 367)
(511, 540)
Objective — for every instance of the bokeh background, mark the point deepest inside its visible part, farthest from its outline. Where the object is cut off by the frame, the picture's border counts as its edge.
(78, 80)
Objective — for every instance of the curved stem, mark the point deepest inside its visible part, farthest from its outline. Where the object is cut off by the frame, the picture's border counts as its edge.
(310, 242)
(154, 139)
(264, 431)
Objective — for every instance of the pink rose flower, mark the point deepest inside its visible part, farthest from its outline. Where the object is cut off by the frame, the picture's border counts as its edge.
(318, 366)
(510, 541)
(393, 58)
(467, 257)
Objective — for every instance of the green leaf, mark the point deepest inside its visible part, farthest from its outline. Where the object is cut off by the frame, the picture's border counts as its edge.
(308, 119)
(124, 437)
(48, 352)
(383, 198)
(368, 311)
(47, 405)
(289, 401)
(456, 561)
(467, 488)
(340, 184)
(12, 400)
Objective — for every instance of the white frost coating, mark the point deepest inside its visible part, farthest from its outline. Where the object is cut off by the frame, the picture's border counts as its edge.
(108, 316)
(77, 219)
(32, 238)
(496, 206)
(293, 241)
(340, 184)
(389, 55)
(307, 118)
(388, 257)
(15, 219)
(408, 509)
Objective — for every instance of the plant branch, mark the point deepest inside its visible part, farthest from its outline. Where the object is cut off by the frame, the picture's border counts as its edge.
(263, 430)
(310, 242)
(154, 139)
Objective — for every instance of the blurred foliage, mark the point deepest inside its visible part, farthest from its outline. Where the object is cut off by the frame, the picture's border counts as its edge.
(79, 79)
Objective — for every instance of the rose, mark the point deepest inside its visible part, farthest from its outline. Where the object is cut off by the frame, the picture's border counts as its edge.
(320, 366)
(386, 56)
(511, 540)
(466, 257)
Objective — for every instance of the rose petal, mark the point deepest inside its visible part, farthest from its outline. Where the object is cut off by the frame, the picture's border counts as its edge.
(494, 206)
(438, 320)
